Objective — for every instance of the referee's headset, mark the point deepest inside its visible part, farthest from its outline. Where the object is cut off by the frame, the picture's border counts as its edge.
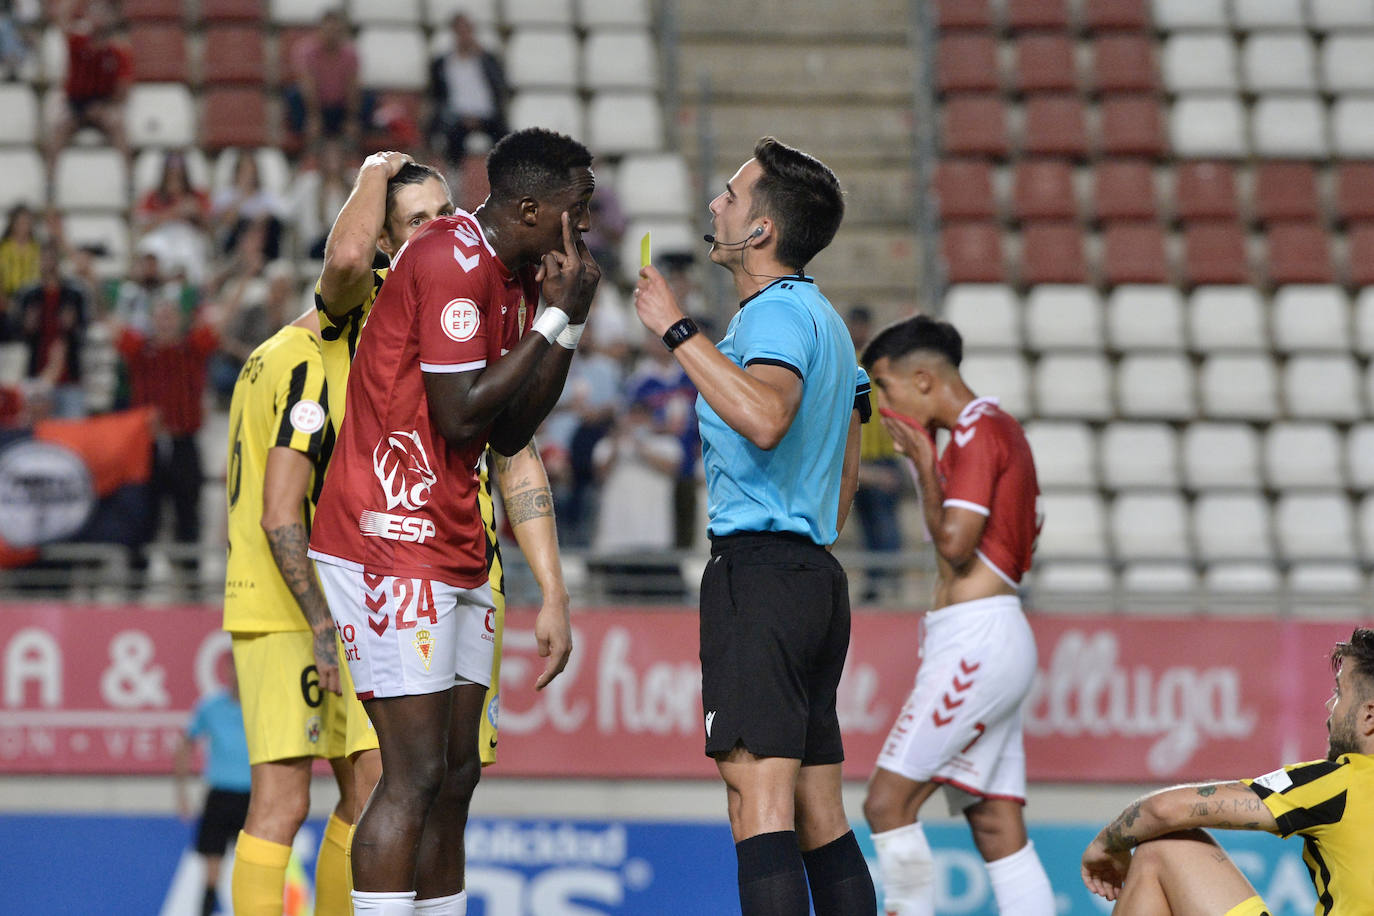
(758, 231)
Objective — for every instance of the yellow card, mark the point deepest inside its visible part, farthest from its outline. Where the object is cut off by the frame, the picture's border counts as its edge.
(645, 257)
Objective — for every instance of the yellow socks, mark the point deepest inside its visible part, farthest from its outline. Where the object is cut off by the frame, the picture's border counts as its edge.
(348, 853)
(332, 882)
(259, 876)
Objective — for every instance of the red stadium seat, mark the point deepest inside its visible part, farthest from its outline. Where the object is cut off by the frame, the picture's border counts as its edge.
(972, 252)
(964, 188)
(1132, 125)
(963, 14)
(1045, 62)
(1052, 252)
(142, 10)
(975, 125)
(1114, 15)
(1214, 252)
(1206, 190)
(234, 117)
(1134, 253)
(1285, 191)
(1298, 252)
(234, 54)
(1125, 63)
(159, 52)
(232, 10)
(1038, 14)
(1124, 189)
(967, 61)
(1055, 126)
(1043, 189)
(1355, 191)
(1361, 254)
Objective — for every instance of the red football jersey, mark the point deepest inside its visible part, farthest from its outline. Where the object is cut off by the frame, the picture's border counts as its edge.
(398, 499)
(987, 467)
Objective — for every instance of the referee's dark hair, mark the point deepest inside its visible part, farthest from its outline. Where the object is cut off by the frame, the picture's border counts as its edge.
(920, 332)
(802, 196)
(412, 173)
(1358, 652)
(533, 162)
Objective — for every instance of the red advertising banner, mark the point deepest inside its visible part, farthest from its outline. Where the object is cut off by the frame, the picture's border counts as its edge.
(86, 690)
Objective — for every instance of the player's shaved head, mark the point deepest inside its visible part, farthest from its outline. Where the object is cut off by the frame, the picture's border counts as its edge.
(919, 335)
(533, 163)
(1357, 654)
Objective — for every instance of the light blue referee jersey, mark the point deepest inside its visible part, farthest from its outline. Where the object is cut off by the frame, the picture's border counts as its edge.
(794, 487)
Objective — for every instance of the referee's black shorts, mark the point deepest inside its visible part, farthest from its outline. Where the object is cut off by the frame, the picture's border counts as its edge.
(221, 822)
(774, 633)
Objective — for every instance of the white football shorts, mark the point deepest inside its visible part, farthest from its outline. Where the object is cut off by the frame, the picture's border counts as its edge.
(961, 724)
(404, 637)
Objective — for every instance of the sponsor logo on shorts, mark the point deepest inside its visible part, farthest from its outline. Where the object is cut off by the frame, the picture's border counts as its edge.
(460, 320)
(424, 645)
(312, 730)
(410, 528)
(307, 417)
(493, 710)
(403, 469)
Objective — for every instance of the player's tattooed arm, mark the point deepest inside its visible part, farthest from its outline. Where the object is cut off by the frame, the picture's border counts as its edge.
(1225, 805)
(288, 543)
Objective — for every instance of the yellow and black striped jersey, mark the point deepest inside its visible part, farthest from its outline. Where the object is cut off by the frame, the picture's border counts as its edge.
(1331, 804)
(281, 400)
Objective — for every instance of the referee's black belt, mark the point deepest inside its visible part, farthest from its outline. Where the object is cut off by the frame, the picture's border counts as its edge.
(721, 543)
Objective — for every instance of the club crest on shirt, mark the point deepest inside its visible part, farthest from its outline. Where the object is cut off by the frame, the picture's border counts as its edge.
(307, 417)
(312, 730)
(460, 320)
(424, 646)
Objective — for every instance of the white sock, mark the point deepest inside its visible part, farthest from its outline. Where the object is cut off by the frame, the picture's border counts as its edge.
(452, 905)
(383, 903)
(1020, 884)
(908, 871)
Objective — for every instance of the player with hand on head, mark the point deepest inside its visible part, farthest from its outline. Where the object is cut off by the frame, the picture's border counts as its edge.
(961, 725)
(444, 367)
(1178, 868)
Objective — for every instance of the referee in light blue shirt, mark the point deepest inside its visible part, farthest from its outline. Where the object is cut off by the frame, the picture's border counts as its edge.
(781, 400)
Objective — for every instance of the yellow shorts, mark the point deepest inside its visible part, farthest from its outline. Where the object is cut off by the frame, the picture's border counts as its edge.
(487, 734)
(1255, 906)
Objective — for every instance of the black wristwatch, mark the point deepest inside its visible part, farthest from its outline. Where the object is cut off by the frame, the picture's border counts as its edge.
(682, 329)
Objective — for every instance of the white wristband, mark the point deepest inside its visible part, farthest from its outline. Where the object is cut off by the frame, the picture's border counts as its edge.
(570, 335)
(550, 323)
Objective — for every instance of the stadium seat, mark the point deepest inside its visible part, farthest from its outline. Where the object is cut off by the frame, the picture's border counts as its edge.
(1038, 14)
(1311, 317)
(967, 61)
(300, 12)
(213, 11)
(1226, 318)
(1139, 456)
(1055, 126)
(1324, 387)
(1156, 386)
(654, 184)
(972, 252)
(1337, 15)
(1124, 63)
(619, 59)
(1239, 387)
(536, 12)
(23, 177)
(1366, 527)
(1208, 126)
(1213, 253)
(1354, 197)
(1124, 189)
(1221, 456)
(964, 189)
(1150, 526)
(147, 170)
(1347, 63)
(1155, 589)
(108, 232)
(1314, 526)
(1364, 323)
(439, 13)
(1352, 127)
(1241, 588)
(1359, 459)
(234, 54)
(1132, 125)
(1189, 14)
(234, 117)
(556, 110)
(1060, 316)
(1052, 252)
(1045, 63)
(963, 14)
(618, 13)
(986, 315)
(159, 52)
(1073, 386)
(18, 114)
(1298, 252)
(1285, 126)
(1206, 190)
(1064, 453)
(624, 123)
(548, 59)
(1232, 526)
(1360, 255)
(1141, 317)
(161, 115)
(273, 169)
(91, 178)
(1075, 526)
(1285, 190)
(384, 12)
(137, 10)
(1199, 62)
(1247, 15)
(1298, 455)
(1327, 591)
(1278, 62)
(1043, 189)
(1003, 376)
(1133, 252)
(975, 125)
(1114, 15)
(394, 57)
(1067, 587)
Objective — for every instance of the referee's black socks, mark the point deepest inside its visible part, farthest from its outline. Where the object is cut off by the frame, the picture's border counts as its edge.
(772, 879)
(840, 881)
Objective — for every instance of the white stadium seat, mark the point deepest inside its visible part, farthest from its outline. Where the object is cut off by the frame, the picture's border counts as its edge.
(1058, 578)
(105, 230)
(1228, 579)
(1352, 127)
(18, 114)
(439, 13)
(23, 177)
(1199, 62)
(1287, 126)
(1326, 591)
(1156, 386)
(1311, 317)
(1150, 526)
(1359, 456)
(999, 375)
(1314, 526)
(1221, 455)
(147, 173)
(1364, 322)
(548, 59)
(395, 12)
(52, 52)
(598, 13)
(1322, 387)
(1267, 14)
(1232, 526)
(654, 184)
(1208, 125)
(1145, 584)
(1303, 455)
(1226, 318)
(1279, 62)
(1189, 14)
(1073, 385)
(1348, 63)
(619, 59)
(91, 179)
(1366, 526)
(1063, 316)
(1064, 453)
(160, 114)
(300, 12)
(393, 57)
(1075, 526)
(560, 111)
(1145, 317)
(987, 315)
(1336, 15)
(624, 122)
(1234, 386)
(536, 12)
(1138, 456)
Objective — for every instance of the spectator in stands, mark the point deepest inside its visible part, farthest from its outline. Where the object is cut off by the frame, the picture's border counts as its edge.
(637, 465)
(661, 383)
(16, 42)
(467, 92)
(325, 98)
(19, 252)
(321, 186)
(880, 479)
(172, 219)
(608, 228)
(246, 203)
(251, 313)
(50, 319)
(100, 68)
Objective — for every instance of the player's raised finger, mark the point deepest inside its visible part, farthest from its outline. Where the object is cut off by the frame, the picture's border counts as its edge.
(569, 243)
